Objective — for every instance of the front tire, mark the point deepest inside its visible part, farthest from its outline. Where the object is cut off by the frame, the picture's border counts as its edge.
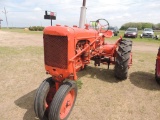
(122, 59)
(43, 98)
(63, 101)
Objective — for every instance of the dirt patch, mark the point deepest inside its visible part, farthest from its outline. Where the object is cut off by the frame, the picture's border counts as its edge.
(13, 39)
(101, 97)
(145, 47)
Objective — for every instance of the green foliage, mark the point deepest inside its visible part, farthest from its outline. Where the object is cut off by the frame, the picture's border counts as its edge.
(146, 25)
(36, 28)
(140, 25)
(79, 83)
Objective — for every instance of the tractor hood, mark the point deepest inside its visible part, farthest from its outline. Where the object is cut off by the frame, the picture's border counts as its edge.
(79, 33)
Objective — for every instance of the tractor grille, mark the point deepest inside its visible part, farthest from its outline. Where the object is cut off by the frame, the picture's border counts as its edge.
(56, 51)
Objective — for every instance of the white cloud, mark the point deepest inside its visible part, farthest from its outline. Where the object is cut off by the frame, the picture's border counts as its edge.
(37, 9)
(153, 5)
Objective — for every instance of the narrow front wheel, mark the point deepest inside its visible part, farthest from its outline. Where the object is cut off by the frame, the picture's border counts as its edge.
(43, 98)
(63, 101)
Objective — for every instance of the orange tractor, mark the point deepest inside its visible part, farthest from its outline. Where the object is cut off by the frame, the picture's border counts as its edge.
(157, 70)
(68, 50)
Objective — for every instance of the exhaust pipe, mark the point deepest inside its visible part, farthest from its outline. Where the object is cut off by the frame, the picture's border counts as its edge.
(82, 14)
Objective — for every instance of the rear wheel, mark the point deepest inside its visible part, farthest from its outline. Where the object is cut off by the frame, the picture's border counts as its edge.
(122, 59)
(157, 71)
(63, 101)
(43, 98)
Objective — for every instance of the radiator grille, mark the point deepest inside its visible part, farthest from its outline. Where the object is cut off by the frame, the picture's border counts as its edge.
(56, 51)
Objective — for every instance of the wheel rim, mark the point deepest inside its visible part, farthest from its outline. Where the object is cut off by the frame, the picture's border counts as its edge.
(49, 97)
(67, 104)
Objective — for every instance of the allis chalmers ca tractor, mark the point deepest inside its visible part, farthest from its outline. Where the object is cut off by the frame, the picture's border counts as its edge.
(68, 50)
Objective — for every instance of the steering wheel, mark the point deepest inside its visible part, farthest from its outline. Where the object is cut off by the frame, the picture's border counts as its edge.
(102, 25)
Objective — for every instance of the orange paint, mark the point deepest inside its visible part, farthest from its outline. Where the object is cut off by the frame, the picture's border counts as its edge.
(68, 49)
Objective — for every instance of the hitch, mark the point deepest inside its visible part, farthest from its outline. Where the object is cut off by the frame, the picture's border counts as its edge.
(107, 60)
(97, 60)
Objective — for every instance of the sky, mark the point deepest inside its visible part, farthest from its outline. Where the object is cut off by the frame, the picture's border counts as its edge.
(26, 13)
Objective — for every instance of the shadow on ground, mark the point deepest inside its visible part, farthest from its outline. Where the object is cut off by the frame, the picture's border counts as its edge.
(144, 80)
(98, 73)
(27, 102)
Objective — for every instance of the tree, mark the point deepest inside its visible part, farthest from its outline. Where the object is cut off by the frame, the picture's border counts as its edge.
(139, 25)
(146, 25)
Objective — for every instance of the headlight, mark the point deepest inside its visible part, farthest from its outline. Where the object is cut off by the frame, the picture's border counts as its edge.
(134, 33)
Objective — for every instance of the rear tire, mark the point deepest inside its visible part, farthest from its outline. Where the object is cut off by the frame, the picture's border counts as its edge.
(63, 101)
(122, 59)
(43, 98)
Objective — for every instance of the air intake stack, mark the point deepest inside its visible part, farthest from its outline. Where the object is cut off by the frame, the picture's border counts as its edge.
(82, 15)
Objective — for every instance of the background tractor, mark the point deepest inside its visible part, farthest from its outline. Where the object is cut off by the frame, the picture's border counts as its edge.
(157, 70)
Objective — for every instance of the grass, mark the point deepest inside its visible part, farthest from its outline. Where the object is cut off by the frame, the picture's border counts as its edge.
(79, 83)
(19, 58)
(22, 69)
(22, 31)
(12, 52)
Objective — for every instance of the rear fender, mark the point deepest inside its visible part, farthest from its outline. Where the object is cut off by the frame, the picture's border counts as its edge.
(109, 49)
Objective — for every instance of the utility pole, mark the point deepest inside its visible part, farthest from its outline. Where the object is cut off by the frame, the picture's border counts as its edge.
(0, 22)
(82, 15)
(5, 12)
